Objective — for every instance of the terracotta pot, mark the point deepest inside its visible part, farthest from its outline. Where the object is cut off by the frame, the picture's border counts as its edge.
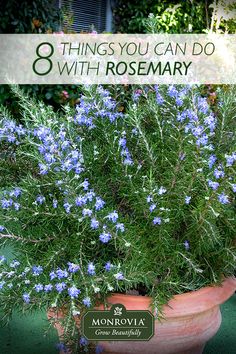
(191, 319)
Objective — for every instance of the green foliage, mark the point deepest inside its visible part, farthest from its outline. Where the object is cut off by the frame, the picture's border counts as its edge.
(189, 16)
(55, 95)
(170, 16)
(180, 18)
(39, 16)
(169, 229)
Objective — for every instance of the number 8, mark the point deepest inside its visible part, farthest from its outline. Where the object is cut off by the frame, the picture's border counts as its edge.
(41, 57)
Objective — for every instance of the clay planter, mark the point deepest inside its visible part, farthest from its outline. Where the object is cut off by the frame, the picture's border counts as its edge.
(191, 319)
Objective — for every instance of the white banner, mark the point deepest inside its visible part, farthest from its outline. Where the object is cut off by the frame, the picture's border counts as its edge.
(117, 58)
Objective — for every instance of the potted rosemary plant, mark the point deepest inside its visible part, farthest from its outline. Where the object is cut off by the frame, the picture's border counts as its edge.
(138, 206)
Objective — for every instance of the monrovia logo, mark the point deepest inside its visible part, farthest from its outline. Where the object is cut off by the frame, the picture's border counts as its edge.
(118, 324)
(117, 311)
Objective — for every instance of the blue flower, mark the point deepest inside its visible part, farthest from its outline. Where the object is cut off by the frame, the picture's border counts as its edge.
(187, 199)
(43, 169)
(202, 105)
(230, 160)
(2, 259)
(85, 184)
(16, 192)
(119, 276)
(16, 206)
(87, 212)
(49, 158)
(218, 173)
(213, 185)
(11, 138)
(152, 207)
(149, 199)
(37, 270)
(134, 131)
(91, 268)
(181, 116)
(223, 198)
(67, 165)
(210, 122)
(40, 199)
(179, 102)
(73, 292)
(62, 347)
(159, 98)
(128, 161)
(26, 298)
(48, 287)
(83, 341)
(72, 267)
(52, 275)
(197, 131)
(87, 301)
(120, 227)
(90, 195)
(54, 203)
(80, 200)
(41, 132)
(234, 188)
(113, 216)
(94, 223)
(2, 228)
(60, 287)
(14, 264)
(203, 140)
(2, 284)
(74, 154)
(186, 245)
(157, 220)
(105, 237)
(38, 287)
(211, 161)
(99, 203)
(65, 145)
(122, 142)
(162, 190)
(61, 273)
(67, 207)
(108, 266)
(172, 91)
(99, 349)
(6, 203)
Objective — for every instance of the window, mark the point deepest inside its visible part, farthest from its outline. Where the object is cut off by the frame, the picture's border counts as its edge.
(88, 13)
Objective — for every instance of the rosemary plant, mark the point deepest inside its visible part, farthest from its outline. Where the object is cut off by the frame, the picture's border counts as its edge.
(98, 201)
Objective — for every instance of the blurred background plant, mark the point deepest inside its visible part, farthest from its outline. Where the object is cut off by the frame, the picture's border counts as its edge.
(223, 19)
(39, 16)
(170, 16)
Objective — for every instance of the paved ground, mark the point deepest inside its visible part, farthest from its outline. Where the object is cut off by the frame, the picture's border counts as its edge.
(26, 334)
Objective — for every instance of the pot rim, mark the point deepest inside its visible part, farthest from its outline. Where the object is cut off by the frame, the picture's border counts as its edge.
(185, 304)
(181, 305)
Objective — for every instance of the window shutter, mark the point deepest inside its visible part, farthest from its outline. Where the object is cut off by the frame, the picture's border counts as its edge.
(87, 13)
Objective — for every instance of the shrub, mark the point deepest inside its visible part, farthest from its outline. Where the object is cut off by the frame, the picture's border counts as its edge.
(107, 202)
